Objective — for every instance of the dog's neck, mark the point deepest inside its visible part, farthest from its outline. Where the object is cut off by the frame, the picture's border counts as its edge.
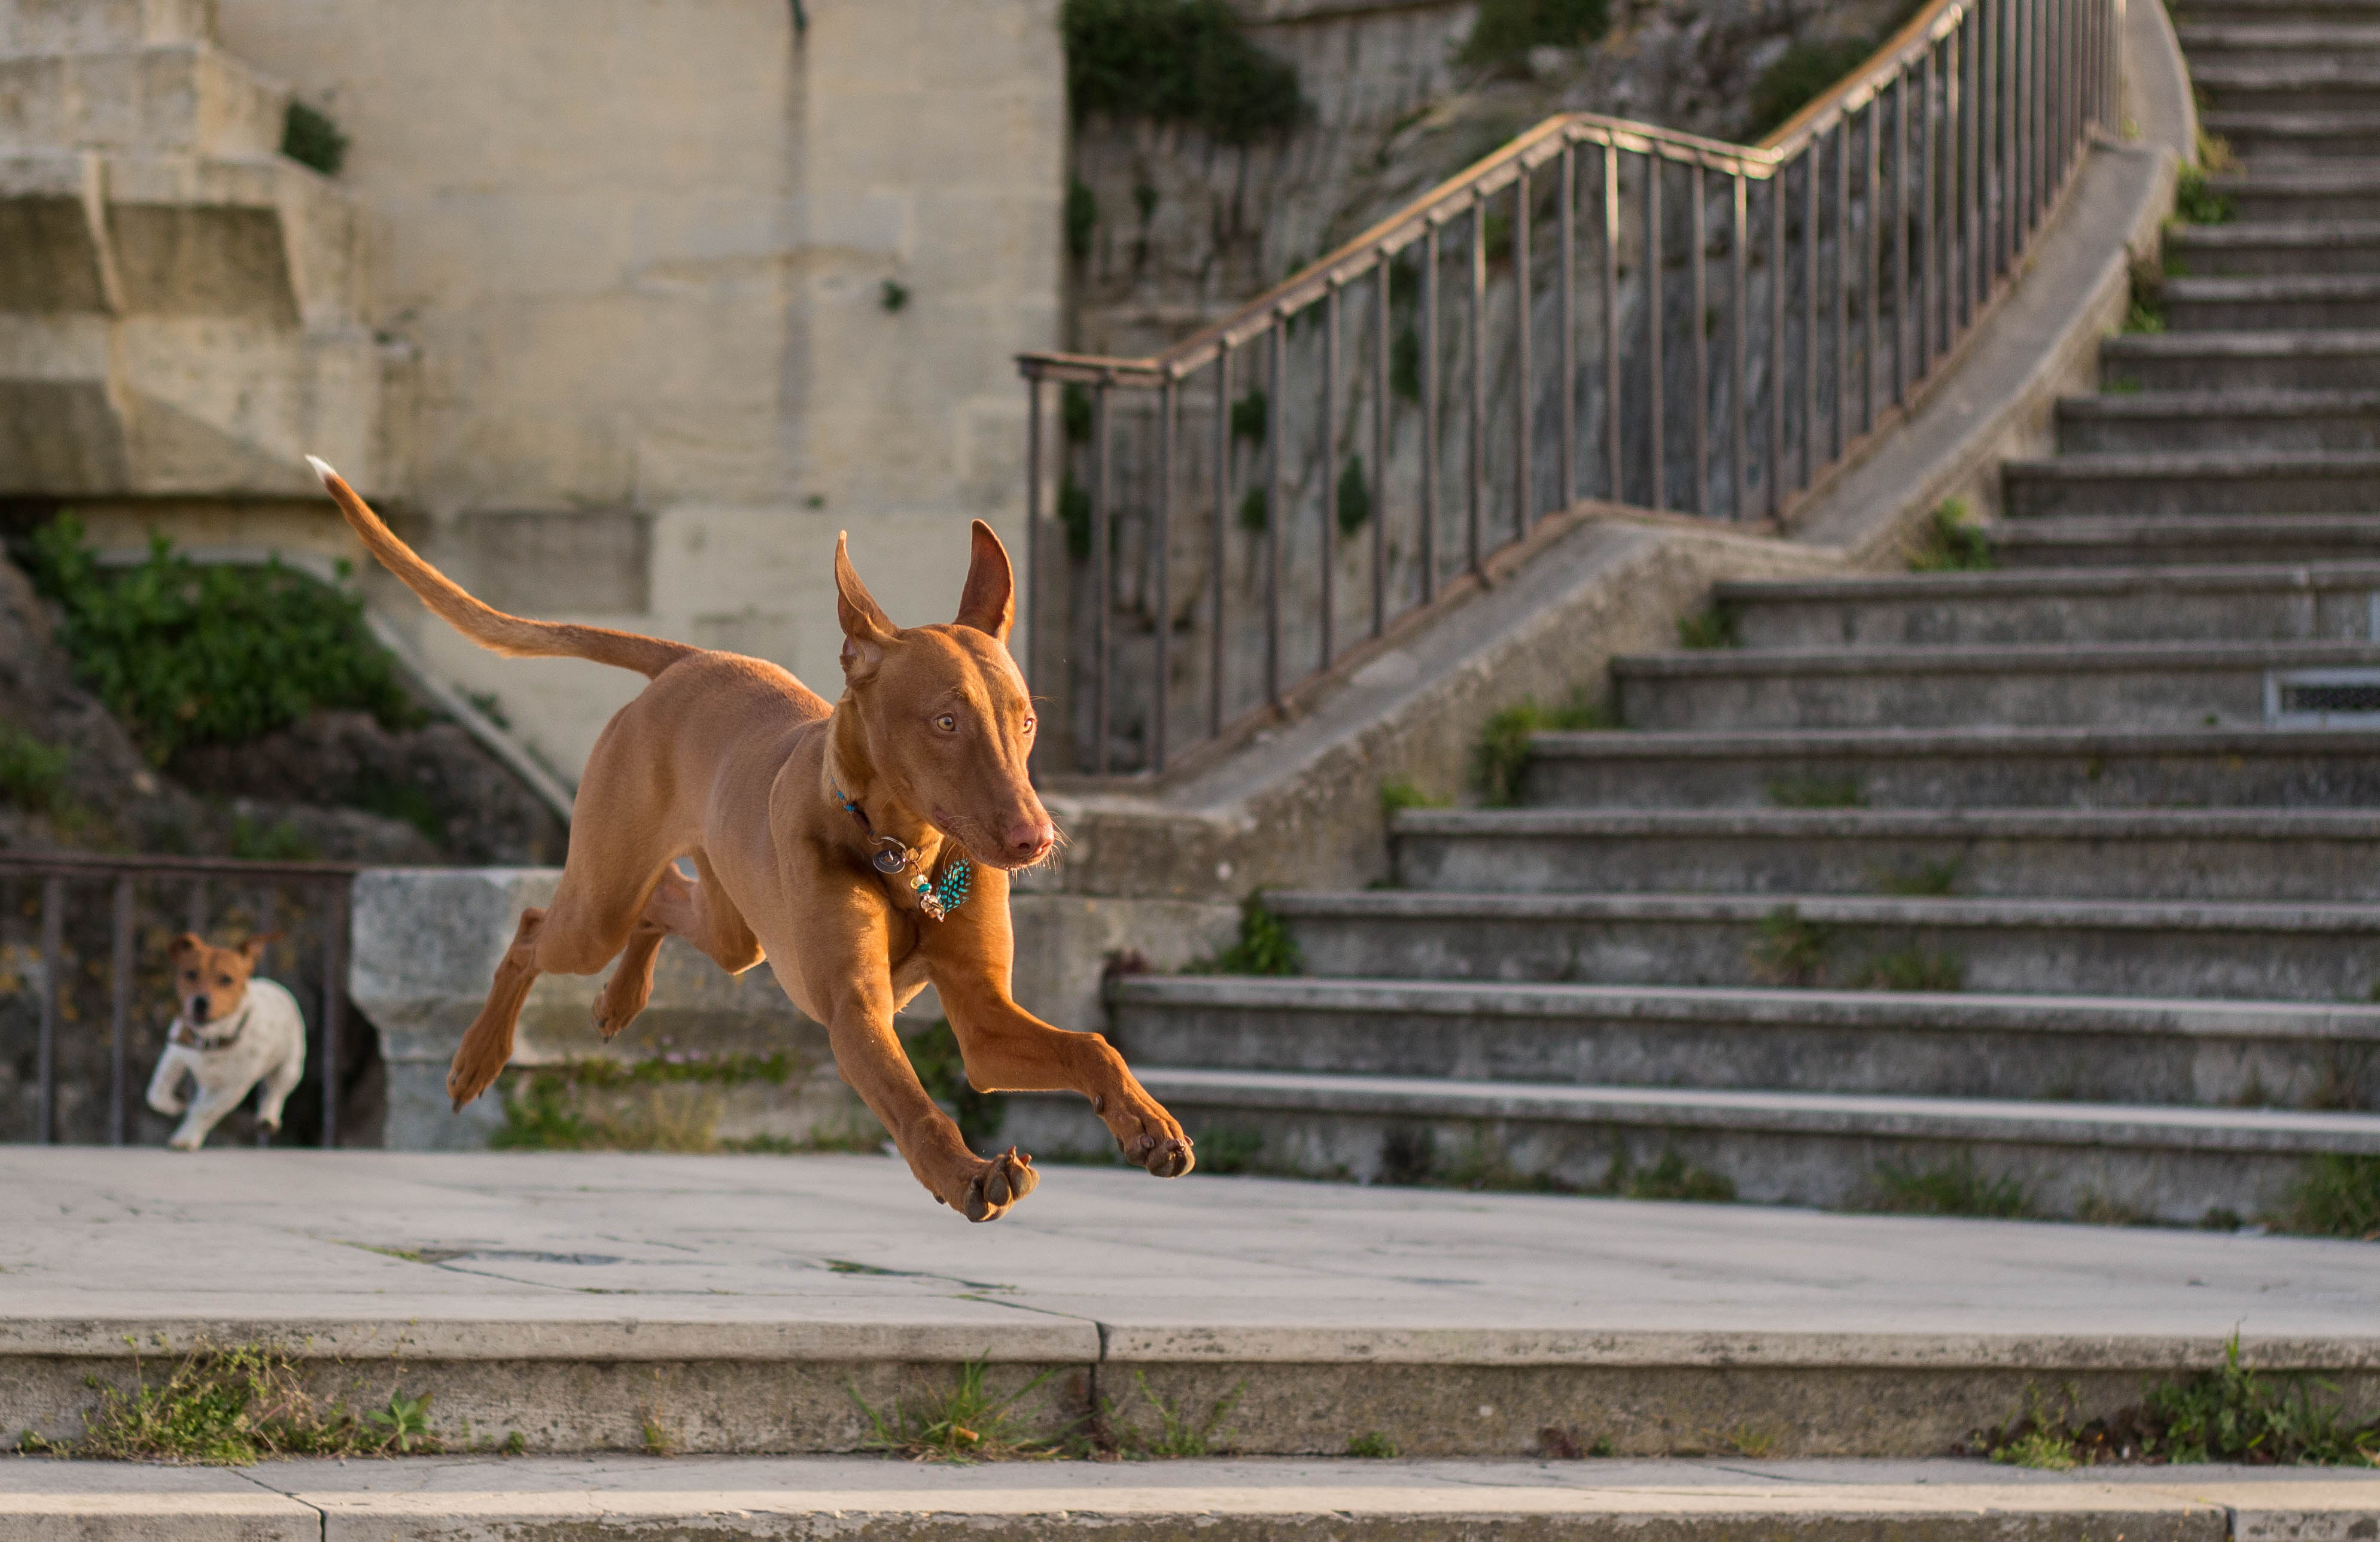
(851, 776)
(197, 1037)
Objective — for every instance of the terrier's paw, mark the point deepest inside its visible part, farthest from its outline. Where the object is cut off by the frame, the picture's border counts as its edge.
(997, 1185)
(172, 1108)
(187, 1143)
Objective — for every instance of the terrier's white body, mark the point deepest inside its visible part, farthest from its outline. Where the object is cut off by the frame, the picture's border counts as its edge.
(262, 1040)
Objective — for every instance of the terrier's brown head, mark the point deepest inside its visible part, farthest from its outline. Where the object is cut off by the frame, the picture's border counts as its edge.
(943, 712)
(211, 982)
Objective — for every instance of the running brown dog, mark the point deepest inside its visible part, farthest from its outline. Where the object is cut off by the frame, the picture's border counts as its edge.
(833, 843)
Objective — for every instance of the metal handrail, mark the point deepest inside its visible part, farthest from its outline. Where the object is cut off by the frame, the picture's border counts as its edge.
(262, 882)
(1966, 127)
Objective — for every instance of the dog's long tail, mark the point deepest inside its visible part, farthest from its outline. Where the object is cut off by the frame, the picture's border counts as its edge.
(513, 635)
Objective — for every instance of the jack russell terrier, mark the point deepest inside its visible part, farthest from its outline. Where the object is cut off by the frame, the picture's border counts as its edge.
(234, 1032)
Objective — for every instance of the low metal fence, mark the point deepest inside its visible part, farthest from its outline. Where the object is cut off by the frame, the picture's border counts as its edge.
(86, 940)
(1646, 319)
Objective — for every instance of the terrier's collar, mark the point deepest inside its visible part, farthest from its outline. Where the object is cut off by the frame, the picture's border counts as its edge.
(184, 1033)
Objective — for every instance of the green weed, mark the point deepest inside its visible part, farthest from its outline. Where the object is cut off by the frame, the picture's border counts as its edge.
(2195, 201)
(1177, 61)
(2336, 1195)
(1252, 417)
(1405, 364)
(2146, 315)
(277, 842)
(236, 1405)
(311, 139)
(1502, 753)
(1954, 1188)
(1399, 795)
(1799, 76)
(1912, 968)
(1712, 626)
(1265, 946)
(1355, 501)
(1817, 792)
(1948, 542)
(33, 774)
(1229, 1151)
(1504, 31)
(963, 1422)
(1927, 879)
(1672, 1177)
(2120, 385)
(1178, 1434)
(1256, 510)
(2233, 1412)
(190, 655)
(1790, 950)
(1082, 222)
(1372, 1444)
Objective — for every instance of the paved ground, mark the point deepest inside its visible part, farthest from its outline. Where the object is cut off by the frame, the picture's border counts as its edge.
(619, 1497)
(93, 1241)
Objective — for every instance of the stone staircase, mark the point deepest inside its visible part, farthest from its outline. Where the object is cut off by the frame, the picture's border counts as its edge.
(2060, 881)
(181, 307)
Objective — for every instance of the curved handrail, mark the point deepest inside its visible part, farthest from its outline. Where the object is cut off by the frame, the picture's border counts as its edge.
(1493, 174)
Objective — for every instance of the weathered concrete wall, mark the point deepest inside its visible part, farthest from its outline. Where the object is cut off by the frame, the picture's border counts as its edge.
(635, 258)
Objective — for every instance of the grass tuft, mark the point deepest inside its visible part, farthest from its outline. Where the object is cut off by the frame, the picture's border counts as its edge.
(1790, 950)
(1502, 753)
(1912, 968)
(1265, 946)
(2197, 203)
(2233, 1413)
(1672, 1177)
(963, 1422)
(1229, 1151)
(1951, 543)
(1178, 1434)
(2336, 1195)
(1816, 792)
(1714, 626)
(1401, 794)
(1952, 1188)
(1926, 881)
(235, 1405)
(1373, 1445)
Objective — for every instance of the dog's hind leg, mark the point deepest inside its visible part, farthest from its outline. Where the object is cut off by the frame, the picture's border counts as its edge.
(695, 909)
(278, 1085)
(488, 1042)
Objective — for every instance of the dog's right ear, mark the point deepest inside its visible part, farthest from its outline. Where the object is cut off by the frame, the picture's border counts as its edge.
(866, 630)
(189, 942)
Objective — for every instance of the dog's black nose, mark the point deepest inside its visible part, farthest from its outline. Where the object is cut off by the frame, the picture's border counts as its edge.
(199, 1008)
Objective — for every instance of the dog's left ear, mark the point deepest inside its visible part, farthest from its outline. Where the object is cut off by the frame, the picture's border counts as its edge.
(189, 942)
(988, 601)
(866, 630)
(254, 947)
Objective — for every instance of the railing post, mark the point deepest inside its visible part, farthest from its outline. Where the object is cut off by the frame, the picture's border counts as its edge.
(1219, 553)
(1653, 310)
(1776, 342)
(1429, 446)
(1329, 564)
(119, 1005)
(1161, 560)
(1103, 578)
(1902, 309)
(1812, 154)
(1566, 453)
(1698, 329)
(1475, 416)
(1523, 511)
(1871, 294)
(1736, 322)
(1382, 371)
(1276, 505)
(1614, 466)
(1843, 286)
(45, 1064)
(334, 1006)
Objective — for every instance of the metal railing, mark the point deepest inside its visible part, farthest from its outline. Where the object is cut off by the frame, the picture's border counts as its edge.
(1756, 313)
(65, 897)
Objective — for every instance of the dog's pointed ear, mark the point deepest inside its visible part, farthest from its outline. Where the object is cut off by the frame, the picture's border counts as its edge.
(866, 628)
(254, 947)
(988, 601)
(189, 942)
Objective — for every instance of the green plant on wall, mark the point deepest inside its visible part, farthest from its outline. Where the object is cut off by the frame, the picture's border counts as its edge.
(1177, 61)
(1505, 30)
(311, 139)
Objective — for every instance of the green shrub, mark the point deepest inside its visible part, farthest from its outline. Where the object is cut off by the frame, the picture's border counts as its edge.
(1373, 1445)
(1398, 796)
(1712, 626)
(1404, 363)
(1791, 949)
(1672, 1177)
(235, 1405)
(311, 139)
(2145, 315)
(1265, 946)
(2336, 1195)
(1948, 542)
(189, 655)
(1505, 30)
(2233, 1413)
(2195, 201)
(33, 774)
(1251, 417)
(1798, 78)
(1956, 1187)
(1177, 61)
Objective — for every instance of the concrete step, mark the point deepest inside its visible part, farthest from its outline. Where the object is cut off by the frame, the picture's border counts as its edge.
(2330, 601)
(2165, 948)
(100, 26)
(2240, 481)
(2263, 139)
(2265, 13)
(177, 98)
(2331, 190)
(2254, 540)
(1818, 1149)
(2287, 44)
(2311, 87)
(2247, 361)
(1961, 767)
(2187, 423)
(2174, 684)
(645, 1498)
(2058, 1048)
(2234, 854)
(2297, 247)
(2272, 302)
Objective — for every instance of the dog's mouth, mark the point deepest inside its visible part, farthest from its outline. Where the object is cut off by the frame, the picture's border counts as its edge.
(970, 834)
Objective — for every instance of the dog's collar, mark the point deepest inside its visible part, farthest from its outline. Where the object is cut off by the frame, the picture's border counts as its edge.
(186, 1035)
(893, 856)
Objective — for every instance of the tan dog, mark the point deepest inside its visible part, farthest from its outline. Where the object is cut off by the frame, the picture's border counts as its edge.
(825, 842)
(235, 1031)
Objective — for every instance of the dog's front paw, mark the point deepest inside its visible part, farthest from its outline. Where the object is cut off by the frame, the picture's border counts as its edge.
(187, 1143)
(172, 1108)
(996, 1186)
(1145, 1134)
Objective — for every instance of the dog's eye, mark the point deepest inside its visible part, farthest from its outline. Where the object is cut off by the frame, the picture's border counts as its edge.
(222, 979)
(1028, 726)
(947, 724)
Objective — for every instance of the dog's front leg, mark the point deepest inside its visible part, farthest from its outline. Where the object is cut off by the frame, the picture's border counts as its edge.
(206, 1111)
(1008, 1050)
(165, 1094)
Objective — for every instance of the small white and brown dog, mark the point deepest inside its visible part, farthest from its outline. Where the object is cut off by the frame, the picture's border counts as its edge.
(234, 1032)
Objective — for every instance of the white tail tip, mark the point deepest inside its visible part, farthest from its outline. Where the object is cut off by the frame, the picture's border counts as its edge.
(322, 469)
